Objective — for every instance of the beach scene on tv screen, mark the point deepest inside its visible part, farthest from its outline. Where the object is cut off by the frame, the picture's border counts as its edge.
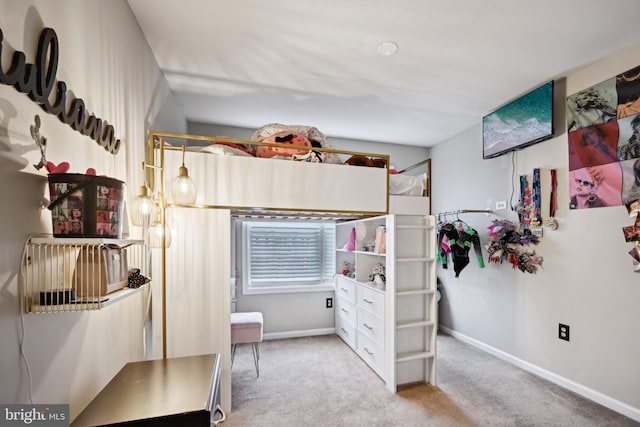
(521, 122)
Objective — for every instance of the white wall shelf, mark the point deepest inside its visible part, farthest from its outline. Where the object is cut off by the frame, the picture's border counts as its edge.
(72, 274)
(90, 305)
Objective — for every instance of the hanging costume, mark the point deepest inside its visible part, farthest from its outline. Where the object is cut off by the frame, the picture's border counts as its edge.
(458, 238)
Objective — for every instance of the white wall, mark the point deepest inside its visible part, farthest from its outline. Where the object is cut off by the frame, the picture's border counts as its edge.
(587, 282)
(105, 60)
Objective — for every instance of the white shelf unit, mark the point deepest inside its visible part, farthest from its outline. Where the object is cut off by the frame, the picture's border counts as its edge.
(361, 307)
(361, 259)
(48, 273)
(392, 329)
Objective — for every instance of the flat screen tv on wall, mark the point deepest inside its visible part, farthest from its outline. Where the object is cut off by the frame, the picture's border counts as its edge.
(525, 121)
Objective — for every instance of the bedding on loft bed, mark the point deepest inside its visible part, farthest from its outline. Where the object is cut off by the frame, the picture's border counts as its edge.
(235, 177)
(405, 185)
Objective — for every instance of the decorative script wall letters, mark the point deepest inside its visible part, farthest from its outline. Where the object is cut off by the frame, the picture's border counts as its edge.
(38, 80)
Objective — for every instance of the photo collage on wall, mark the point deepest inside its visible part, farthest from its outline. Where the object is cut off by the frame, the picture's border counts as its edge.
(603, 125)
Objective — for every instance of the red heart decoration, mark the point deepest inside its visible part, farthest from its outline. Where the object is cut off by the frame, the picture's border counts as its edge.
(90, 171)
(61, 168)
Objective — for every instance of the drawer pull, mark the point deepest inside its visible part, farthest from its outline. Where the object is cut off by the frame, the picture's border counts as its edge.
(346, 291)
(344, 330)
(222, 418)
(367, 350)
(367, 326)
(367, 301)
(345, 310)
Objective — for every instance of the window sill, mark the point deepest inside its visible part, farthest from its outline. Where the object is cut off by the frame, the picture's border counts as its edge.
(329, 287)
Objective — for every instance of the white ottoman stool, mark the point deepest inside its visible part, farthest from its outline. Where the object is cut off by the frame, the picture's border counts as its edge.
(246, 328)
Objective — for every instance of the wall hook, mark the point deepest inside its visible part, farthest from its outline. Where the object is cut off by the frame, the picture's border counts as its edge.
(41, 142)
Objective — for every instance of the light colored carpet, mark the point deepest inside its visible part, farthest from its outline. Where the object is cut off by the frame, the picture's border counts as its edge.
(319, 381)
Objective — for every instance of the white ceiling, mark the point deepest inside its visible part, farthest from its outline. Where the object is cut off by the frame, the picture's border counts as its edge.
(248, 63)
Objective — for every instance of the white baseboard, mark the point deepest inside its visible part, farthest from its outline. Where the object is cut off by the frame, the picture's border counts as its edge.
(602, 399)
(298, 334)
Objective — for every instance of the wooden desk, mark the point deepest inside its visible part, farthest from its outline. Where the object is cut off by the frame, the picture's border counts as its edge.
(171, 392)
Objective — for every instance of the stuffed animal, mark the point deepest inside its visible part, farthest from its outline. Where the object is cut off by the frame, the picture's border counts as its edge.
(378, 163)
(317, 138)
(312, 156)
(377, 277)
(284, 138)
(347, 270)
(360, 160)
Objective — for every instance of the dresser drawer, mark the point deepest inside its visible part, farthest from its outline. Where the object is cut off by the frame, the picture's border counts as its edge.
(370, 300)
(345, 289)
(346, 310)
(372, 353)
(371, 326)
(346, 330)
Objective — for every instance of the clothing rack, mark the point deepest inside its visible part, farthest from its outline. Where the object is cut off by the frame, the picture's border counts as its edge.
(460, 211)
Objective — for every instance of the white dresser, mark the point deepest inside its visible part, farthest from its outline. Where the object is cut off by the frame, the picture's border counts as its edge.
(346, 317)
(370, 320)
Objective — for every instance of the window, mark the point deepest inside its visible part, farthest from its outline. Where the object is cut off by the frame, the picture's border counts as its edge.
(287, 257)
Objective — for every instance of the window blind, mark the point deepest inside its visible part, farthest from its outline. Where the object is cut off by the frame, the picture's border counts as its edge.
(288, 254)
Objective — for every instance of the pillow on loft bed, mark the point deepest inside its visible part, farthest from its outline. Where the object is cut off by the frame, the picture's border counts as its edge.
(315, 137)
(283, 138)
(247, 149)
(217, 147)
(225, 149)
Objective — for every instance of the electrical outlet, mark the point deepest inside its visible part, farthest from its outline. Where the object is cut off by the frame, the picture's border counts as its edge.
(501, 205)
(563, 332)
(329, 302)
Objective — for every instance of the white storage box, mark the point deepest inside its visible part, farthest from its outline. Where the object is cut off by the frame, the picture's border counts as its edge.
(100, 270)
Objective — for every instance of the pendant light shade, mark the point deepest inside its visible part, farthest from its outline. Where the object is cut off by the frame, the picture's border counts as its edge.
(143, 209)
(183, 190)
(155, 235)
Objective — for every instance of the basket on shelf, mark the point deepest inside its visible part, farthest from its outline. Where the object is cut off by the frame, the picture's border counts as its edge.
(86, 205)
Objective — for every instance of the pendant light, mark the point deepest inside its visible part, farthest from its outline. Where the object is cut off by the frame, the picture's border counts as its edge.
(155, 235)
(183, 189)
(144, 207)
(157, 232)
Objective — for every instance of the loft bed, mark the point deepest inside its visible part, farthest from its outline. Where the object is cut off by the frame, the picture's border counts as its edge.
(192, 275)
(229, 175)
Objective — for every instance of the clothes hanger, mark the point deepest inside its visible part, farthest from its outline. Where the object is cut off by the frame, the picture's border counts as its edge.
(459, 223)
